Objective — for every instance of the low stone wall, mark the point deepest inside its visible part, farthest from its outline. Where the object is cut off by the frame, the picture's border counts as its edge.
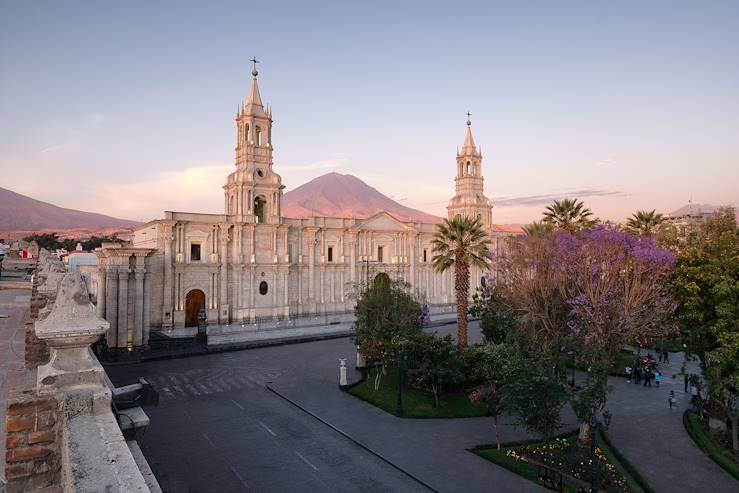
(61, 434)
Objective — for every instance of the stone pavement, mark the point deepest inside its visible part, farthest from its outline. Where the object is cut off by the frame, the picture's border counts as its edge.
(654, 439)
(14, 310)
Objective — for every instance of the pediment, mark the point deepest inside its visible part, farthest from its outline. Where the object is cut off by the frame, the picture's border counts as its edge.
(382, 221)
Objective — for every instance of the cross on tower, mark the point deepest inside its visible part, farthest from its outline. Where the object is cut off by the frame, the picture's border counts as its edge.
(468, 119)
(254, 62)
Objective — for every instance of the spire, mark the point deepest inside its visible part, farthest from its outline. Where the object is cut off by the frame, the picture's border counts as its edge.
(254, 105)
(469, 142)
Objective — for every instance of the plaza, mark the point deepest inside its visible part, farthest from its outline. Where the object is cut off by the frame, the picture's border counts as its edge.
(274, 419)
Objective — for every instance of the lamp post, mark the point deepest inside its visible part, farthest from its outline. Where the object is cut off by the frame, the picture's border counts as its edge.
(572, 353)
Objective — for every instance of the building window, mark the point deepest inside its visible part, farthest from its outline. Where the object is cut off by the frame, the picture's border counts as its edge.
(195, 252)
(260, 173)
(379, 254)
(263, 288)
(258, 135)
(259, 203)
(330, 254)
(424, 255)
(246, 133)
(469, 168)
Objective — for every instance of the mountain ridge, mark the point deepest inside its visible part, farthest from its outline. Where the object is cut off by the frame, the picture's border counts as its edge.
(345, 195)
(20, 212)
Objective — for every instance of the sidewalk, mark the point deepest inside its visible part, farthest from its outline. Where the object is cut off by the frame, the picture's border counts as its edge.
(654, 439)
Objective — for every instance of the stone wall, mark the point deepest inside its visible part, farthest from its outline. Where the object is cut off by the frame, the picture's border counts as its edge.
(60, 431)
(32, 444)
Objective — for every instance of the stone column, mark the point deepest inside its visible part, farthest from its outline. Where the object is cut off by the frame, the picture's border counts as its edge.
(167, 302)
(353, 255)
(111, 304)
(138, 307)
(412, 257)
(147, 308)
(122, 340)
(102, 291)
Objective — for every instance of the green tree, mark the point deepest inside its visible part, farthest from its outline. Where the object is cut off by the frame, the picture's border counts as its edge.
(643, 222)
(723, 379)
(434, 359)
(538, 228)
(706, 283)
(497, 318)
(570, 215)
(460, 243)
(49, 241)
(492, 397)
(386, 316)
(534, 395)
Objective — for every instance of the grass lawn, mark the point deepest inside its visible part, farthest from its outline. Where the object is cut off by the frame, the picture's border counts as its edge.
(513, 458)
(698, 431)
(415, 404)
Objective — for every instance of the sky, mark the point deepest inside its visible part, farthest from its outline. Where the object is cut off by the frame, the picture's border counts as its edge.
(127, 108)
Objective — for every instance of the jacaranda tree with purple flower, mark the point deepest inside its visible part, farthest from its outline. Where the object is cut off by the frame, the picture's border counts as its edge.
(596, 290)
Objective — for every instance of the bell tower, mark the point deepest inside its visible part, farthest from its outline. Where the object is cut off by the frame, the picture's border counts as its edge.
(469, 199)
(253, 192)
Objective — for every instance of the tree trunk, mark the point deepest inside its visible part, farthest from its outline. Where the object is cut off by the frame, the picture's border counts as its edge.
(584, 434)
(497, 432)
(462, 288)
(734, 419)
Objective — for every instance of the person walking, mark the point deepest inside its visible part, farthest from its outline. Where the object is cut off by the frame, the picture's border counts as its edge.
(628, 371)
(671, 399)
(637, 375)
(667, 356)
(657, 378)
(648, 378)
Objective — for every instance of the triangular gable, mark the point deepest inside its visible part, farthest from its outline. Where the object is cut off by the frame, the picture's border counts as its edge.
(382, 221)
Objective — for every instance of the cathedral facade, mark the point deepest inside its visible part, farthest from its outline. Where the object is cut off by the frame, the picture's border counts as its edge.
(251, 264)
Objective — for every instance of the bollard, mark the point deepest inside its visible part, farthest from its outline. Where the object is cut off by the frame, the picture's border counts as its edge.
(342, 372)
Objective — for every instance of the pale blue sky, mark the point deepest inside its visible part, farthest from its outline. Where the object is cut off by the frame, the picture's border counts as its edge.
(127, 107)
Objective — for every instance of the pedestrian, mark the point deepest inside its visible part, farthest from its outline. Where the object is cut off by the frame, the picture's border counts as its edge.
(671, 399)
(628, 371)
(657, 378)
(667, 357)
(686, 382)
(637, 375)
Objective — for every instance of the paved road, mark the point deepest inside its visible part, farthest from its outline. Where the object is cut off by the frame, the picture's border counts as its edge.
(218, 429)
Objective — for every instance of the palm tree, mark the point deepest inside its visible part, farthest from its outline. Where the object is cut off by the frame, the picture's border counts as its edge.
(643, 222)
(538, 228)
(570, 215)
(459, 243)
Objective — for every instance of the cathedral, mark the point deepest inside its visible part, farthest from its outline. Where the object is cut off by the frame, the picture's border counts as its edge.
(249, 265)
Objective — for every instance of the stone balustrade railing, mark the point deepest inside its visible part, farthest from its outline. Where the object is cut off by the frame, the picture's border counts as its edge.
(61, 433)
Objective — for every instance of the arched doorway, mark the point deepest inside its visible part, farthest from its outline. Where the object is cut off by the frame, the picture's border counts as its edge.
(194, 302)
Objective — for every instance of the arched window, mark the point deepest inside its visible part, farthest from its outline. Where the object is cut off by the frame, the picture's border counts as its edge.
(259, 203)
(469, 168)
(246, 132)
(258, 135)
(231, 204)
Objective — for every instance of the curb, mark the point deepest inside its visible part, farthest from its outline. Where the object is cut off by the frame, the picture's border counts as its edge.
(201, 350)
(353, 440)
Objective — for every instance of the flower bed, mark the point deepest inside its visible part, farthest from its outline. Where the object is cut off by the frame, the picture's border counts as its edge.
(566, 456)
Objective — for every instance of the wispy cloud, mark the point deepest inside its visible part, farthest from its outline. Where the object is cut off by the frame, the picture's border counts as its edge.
(605, 163)
(550, 197)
